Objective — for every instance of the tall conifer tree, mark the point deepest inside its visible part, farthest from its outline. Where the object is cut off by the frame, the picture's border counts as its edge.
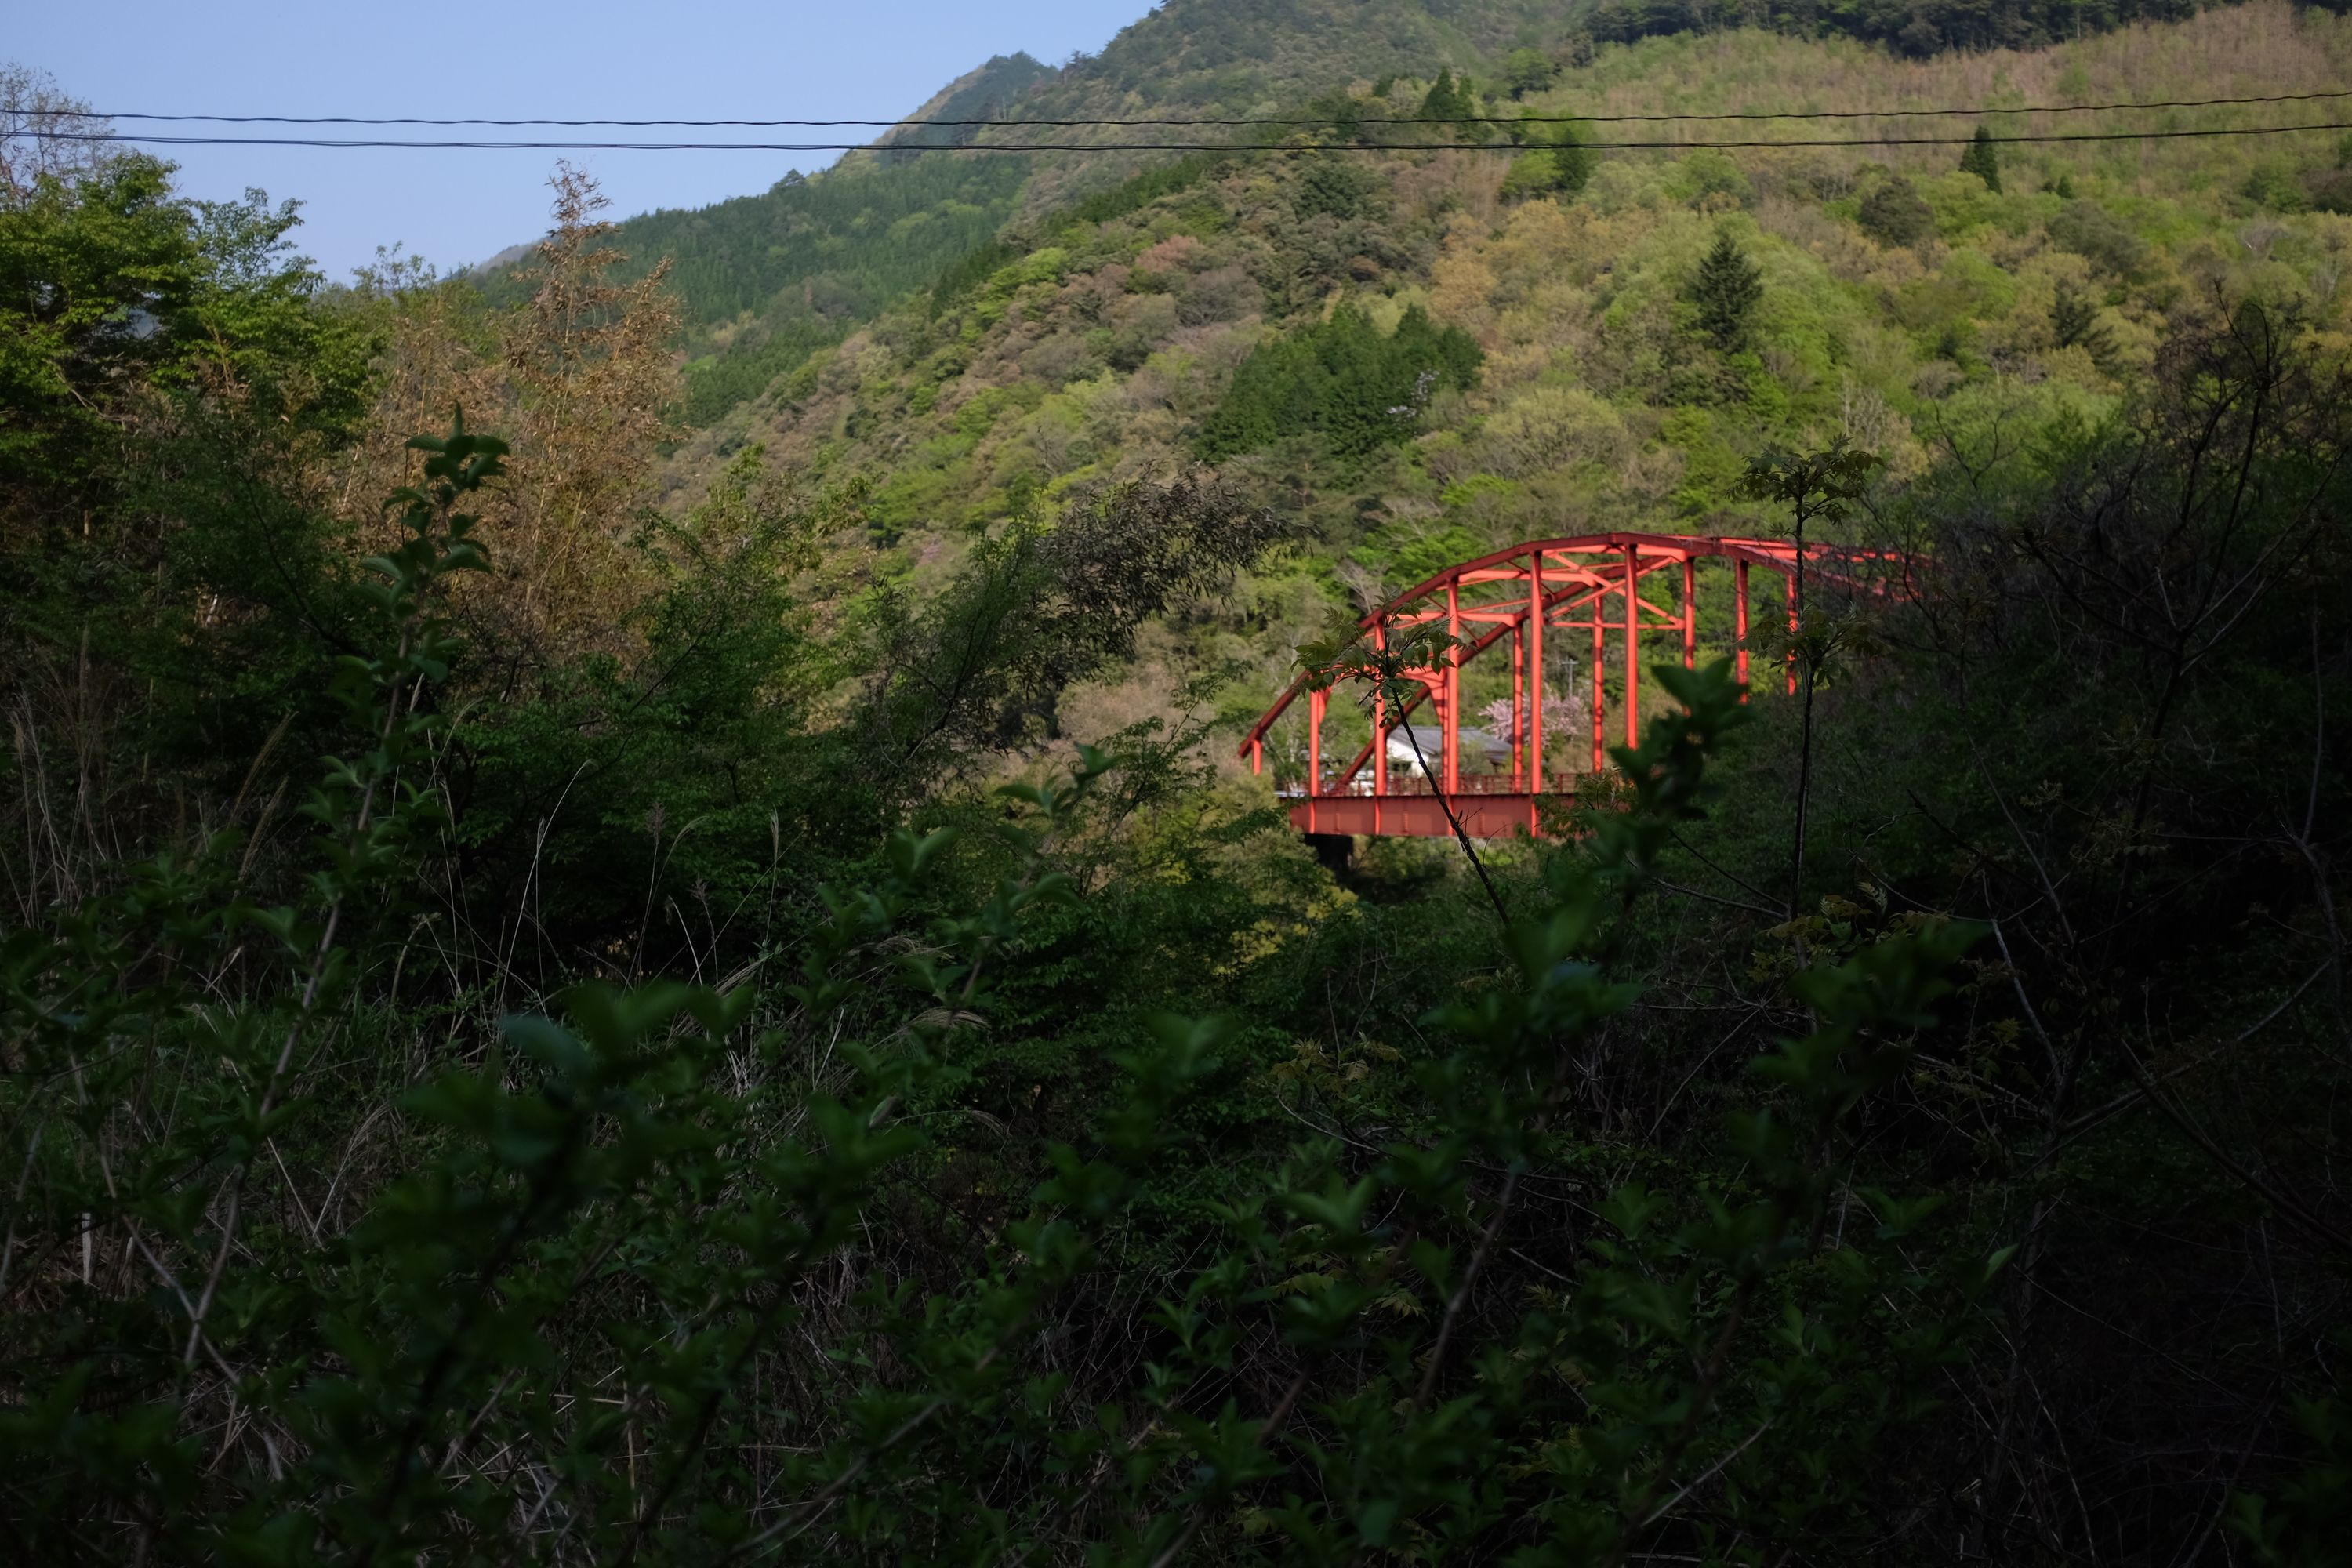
(1726, 290)
(1981, 159)
(1445, 100)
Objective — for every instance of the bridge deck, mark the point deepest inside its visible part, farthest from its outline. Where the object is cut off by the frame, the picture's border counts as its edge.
(1415, 816)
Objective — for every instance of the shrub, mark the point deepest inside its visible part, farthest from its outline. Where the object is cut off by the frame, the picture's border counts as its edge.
(1332, 187)
(2329, 190)
(2092, 232)
(1708, 178)
(1557, 163)
(2274, 187)
(2074, 322)
(1528, 70)
(1894, 214)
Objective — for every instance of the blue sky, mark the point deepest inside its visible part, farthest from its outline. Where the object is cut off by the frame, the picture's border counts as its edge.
(587, 58)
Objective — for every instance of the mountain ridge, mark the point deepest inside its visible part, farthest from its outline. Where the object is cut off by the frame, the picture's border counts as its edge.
(737, 278)
(1906, 305)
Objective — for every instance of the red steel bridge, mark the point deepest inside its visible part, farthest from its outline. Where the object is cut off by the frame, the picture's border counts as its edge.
(1586, 592)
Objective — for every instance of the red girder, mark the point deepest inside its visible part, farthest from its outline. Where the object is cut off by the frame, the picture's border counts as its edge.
(1574, 581)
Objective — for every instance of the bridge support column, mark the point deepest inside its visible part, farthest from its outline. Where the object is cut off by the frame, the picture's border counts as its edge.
(1600, 697)
(1633, 649)
(1690, 614)
(1739, 628)
(1379, 726)
(1452, 694)
(1535, 672)
(1518, 709)
(1314, 743)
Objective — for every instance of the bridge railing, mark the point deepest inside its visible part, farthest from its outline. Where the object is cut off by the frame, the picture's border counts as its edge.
(1337, 786)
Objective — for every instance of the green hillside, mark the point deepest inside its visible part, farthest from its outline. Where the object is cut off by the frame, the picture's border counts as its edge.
(1905, 305)
(765, 279)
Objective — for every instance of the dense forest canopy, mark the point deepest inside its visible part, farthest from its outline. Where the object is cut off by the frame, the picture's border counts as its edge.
(765, 280)
(633, 933)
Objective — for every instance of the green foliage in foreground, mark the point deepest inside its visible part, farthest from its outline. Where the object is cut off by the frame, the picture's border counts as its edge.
(650, 1185)
(111, 283)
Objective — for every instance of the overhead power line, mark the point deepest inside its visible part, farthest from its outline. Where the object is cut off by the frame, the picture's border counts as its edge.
(1161, 146)
(1242, 121)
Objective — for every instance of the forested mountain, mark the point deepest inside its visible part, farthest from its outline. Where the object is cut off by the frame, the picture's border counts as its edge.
(1904, 304)
(1912, 28)
(630, 931)
(764, 279)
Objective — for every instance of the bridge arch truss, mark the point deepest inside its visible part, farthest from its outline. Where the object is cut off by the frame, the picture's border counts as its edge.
(1599, 593)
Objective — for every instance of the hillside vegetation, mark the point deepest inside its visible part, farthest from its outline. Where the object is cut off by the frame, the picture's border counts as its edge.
(1906, 305)
(765, 279)
(628, 932)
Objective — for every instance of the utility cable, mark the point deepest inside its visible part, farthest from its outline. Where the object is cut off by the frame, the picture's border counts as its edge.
(916, 124)
(1506, 146)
